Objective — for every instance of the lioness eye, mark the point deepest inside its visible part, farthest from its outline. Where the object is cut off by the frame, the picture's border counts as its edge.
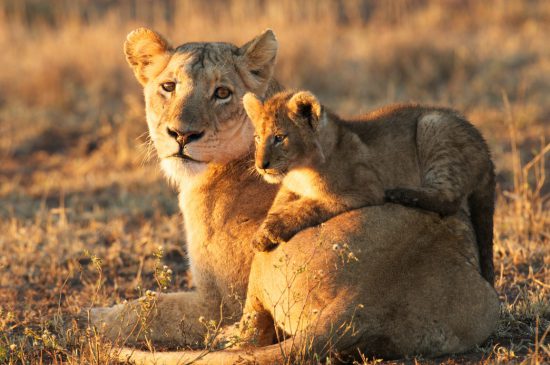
(257, 139)
(279, 138)
(168, 86)
(222, 93)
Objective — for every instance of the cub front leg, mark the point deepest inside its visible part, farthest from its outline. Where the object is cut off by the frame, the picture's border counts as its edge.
(166, 319)
(274, 230)
(264, 239)
(289, 215)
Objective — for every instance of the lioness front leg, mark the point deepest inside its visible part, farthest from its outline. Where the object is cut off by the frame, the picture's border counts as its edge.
(168, 319)
(256, 326)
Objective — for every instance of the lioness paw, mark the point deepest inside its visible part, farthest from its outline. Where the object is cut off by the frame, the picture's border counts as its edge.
(93, 318)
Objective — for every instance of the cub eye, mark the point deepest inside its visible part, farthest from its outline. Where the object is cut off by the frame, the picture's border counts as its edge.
(222, 93)
(279, 138)
(168, 86)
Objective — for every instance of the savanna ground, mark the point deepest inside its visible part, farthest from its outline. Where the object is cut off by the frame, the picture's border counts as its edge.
(86, 218)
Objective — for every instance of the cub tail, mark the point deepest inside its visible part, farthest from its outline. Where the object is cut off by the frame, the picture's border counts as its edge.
(482, 207)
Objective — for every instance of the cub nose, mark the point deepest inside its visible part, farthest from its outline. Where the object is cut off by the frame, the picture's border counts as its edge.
(264, 164)
(184, 138)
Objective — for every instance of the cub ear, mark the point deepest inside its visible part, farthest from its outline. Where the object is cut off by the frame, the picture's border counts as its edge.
(305, 106)
(258, 58)
(253, 107)
(147, 53)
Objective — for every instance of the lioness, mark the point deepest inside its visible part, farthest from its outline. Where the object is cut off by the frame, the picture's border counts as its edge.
(405, 293)
(328, 165)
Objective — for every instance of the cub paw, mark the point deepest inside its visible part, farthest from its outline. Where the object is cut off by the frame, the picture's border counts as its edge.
(271, 233)
(402, 196)
(262, 241)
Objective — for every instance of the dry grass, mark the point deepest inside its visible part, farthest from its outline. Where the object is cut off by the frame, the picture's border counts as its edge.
(83, 208)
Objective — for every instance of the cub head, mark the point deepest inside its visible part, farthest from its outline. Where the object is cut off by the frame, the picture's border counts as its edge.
(193, 96)
(286, 132)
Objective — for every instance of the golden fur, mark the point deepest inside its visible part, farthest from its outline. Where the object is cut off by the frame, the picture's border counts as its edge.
(328, 165)
(406, 289)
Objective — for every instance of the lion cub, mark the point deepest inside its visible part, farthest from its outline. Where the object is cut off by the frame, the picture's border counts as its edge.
(429, 158)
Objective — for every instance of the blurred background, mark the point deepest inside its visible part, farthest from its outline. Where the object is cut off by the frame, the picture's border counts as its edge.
(84, 208)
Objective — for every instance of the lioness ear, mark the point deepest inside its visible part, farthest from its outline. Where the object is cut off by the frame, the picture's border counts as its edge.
(258, 58)
(147, 52)
(253, 106)
(305, 106)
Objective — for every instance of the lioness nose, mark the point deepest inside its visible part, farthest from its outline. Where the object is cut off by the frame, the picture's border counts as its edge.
(184, 138)
(264, 164)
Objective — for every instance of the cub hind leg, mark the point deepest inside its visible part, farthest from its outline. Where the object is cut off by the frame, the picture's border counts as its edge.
(424, 198)
(455, 164)
(446, 150)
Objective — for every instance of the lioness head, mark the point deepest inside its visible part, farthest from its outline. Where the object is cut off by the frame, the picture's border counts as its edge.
(193, 96)
(286, 132)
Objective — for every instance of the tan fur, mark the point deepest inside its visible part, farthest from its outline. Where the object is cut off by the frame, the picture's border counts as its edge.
(328, 165)
(414, 270)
